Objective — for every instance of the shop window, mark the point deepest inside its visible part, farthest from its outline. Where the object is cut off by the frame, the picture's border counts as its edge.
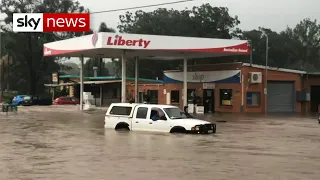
(175, 97)
(191, 94)
(226, 97)
(253, 98)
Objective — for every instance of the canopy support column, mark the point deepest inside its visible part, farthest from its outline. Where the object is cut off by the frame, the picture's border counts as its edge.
(123, 78)
(136, 82)
(81, 82)
(185, 86)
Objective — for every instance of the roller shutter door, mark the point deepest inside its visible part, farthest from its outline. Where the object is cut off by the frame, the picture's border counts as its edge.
(281, 96)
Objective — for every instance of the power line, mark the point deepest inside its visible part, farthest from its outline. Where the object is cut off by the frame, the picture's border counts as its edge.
(138, 7)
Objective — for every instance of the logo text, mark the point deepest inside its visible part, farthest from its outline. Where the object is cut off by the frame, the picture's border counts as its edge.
(51, 22)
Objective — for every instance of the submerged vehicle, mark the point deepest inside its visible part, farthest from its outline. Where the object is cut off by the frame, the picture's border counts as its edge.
(156, 118)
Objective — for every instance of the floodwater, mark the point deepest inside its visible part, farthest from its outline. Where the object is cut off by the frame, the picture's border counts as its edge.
(68, 145)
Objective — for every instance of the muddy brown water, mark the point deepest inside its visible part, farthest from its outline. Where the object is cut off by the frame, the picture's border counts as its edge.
(68, 145)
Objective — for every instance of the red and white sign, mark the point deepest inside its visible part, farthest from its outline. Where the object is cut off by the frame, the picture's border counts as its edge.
(51, 22)
(119, 41)
(151, 45)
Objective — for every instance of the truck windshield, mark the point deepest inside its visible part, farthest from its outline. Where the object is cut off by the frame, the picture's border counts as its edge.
(175, 113)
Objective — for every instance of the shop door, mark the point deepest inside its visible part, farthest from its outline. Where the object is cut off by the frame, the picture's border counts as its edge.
(141, 97)
(153, 96)
(208, 100)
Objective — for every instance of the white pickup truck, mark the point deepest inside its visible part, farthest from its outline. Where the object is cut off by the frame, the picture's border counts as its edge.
(157, 118)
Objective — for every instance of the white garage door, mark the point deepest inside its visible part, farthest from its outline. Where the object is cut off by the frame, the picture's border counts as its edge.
(281, 96)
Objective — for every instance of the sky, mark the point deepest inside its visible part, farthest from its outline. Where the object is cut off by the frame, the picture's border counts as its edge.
(274, 14)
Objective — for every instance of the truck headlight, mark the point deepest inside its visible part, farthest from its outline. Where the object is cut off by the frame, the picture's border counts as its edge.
(197, 128)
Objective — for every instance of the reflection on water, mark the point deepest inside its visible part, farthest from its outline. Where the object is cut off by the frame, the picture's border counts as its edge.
(65, 146)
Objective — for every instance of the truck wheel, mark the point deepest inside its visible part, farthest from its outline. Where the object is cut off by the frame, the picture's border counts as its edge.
(122, 126)
(178, 129)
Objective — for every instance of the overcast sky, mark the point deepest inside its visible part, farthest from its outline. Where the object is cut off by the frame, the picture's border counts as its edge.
(274, 14)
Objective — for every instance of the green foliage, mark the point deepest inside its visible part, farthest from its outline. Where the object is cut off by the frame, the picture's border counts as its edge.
(8, 96)
(99, 63)
(296, 48)
(58, 92)
(30, 69)
(202, 21)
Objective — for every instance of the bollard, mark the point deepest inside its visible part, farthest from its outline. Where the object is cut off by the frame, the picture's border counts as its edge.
(9, 108)
(4, 108)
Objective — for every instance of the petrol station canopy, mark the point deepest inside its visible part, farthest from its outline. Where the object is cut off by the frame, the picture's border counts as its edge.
(111, 45)
(129, 46)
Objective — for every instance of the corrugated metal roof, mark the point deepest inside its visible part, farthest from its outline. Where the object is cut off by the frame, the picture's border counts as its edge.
(109, 78)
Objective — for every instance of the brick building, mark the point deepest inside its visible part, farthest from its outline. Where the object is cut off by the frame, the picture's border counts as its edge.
(232, 88)
(229, 87)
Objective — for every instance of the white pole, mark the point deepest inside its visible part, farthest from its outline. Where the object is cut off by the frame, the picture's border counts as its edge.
(81, 82)
(266, 78)
(101, 95)
(185, 85)
(123, 78)
(136, 87)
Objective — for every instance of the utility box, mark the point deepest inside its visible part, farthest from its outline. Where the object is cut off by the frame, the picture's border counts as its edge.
(302, 96)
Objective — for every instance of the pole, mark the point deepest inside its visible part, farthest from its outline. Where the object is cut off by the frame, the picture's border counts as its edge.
(266, 76)
(185, 83)
(1, 92)
(251, 53)
(81, 83)
(136, 83)
(123, 77)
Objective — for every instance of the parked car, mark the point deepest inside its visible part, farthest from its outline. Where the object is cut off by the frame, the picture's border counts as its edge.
(157, 118)
(17, 100)
(36, 100)
(66, 100)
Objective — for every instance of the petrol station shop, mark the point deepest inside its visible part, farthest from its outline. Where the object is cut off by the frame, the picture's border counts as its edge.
(228, 87)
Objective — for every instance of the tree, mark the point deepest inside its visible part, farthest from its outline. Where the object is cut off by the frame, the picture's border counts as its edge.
(306, 38)
(98, 61)
(278, 53)
(30, 69)
(202, 21)
(104, 28)
(296, 48)
(70, 68)
(90, 63)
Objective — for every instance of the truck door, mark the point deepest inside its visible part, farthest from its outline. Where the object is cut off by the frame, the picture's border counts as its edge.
(139, 121)
(160, 125)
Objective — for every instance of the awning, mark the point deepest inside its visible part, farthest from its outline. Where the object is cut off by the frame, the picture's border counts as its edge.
(85, 82)
(111, 45)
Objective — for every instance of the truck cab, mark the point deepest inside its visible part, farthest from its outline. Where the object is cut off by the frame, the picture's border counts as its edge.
(156, 118)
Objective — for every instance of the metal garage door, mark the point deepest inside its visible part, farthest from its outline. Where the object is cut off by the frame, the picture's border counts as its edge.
(281, 96)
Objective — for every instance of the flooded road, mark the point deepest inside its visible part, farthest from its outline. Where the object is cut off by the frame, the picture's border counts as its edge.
(70, 145)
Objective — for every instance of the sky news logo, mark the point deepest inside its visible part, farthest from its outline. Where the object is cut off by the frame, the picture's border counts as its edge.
(51, 22)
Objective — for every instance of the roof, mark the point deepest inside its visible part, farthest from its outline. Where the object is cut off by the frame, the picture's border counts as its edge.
(275, 68)
(108, 78)
(111, 45)
(314, 73)
(250, 65)
(145, 105)
(85, 82)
